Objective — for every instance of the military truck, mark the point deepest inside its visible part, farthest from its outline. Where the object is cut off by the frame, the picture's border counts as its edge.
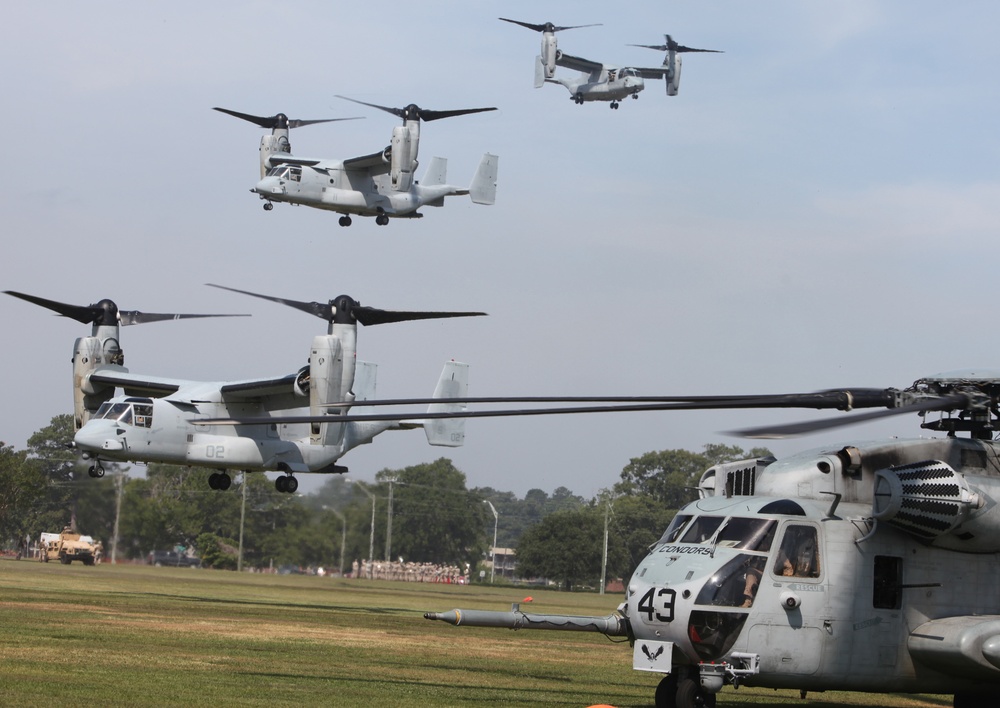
(66, 547)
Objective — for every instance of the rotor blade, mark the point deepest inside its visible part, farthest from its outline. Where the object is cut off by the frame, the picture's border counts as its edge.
(374, 316)
(823, 399)
(134, 317)
(323, 311)
(414, 112)
(793, 429)
(682, 48)
(276, 120)
(84, 314)
(546, 26)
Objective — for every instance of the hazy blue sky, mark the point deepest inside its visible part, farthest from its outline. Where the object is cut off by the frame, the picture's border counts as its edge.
(817, 208)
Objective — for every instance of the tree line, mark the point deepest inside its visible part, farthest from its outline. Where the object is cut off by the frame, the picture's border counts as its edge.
(424, 513)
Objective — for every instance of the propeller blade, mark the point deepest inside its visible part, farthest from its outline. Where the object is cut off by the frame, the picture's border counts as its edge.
(345, 309)
(790, 430)
(105, 312)
(415, 112)
(546, 26)
(279, 120)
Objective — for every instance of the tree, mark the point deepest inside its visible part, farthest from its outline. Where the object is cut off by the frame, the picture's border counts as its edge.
(23, 490)
(566, 546)
(435, 517)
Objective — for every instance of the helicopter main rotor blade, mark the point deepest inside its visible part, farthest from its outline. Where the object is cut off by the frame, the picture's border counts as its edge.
(673, 46)
(826, 399)
(106, 312)
(345, 309)
(415, 112)
(546, 26)
(279, 120)
(789, 430)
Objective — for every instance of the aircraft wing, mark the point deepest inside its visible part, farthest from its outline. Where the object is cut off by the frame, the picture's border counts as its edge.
(135, 384)
(579, 64)
(280, 158)
(648, 73)
(367, 162)
(259, 388)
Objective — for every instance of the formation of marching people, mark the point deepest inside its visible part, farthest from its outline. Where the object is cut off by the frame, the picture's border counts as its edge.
(410, 572)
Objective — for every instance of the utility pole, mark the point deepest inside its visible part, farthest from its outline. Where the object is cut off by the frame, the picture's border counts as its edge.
(243, 516)
(604, 558)
(388, 524)
(119, 490)
(371, 540)
(493, 551)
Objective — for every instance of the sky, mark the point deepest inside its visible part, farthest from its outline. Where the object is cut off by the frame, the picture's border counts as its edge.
(818, 208)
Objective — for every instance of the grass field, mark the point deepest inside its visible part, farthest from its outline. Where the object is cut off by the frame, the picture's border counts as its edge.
(135, 635)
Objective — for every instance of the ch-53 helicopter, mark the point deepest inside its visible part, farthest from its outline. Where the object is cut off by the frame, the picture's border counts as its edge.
(381, 184)
(160, 419)
(864, 566)
(599, 81)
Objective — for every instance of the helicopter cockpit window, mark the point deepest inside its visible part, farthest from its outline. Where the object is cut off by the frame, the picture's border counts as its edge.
(122, 412)
(747, 534)
(799, 554)
(139, 414)
(734, 584)
(675, 528)
(143, 415)
(702, 529)
(295, 174)
(277, 171)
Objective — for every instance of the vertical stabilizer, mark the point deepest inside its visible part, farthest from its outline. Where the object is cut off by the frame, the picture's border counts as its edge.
(483, 189)
(454, 383)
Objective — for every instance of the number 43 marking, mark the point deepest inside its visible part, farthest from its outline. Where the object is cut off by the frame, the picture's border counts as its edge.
(664, 599)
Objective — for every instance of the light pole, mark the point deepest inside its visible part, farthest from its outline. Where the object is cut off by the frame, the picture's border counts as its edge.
(496, 522)
(343, 534)
(371, 540)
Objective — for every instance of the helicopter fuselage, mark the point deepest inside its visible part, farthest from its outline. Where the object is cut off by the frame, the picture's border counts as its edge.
(612, 85)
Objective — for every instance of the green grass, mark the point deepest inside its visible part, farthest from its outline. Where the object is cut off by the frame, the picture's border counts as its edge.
(132, 635)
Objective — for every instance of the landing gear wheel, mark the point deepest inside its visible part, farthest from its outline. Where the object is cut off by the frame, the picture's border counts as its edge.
(224, 481)
(96, 471)
(268, 206)
(291, 484)
(690, 694)
(666, 692)
(381, 219)
(614, 105)
(280, 483)
(344, 221)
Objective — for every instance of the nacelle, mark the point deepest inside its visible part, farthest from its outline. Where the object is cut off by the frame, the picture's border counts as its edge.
(301, 385)
(404, 147)
(549, 54)
(88, 354)
(269, 145)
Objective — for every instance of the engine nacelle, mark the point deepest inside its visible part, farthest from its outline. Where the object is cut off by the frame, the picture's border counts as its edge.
(88, 354)
(404, 148)
(549, 54)
(269, 145)
(933, 502)
(327, 384)
(673, 77)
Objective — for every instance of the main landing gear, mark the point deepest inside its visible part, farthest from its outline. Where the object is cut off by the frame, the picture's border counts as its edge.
(286, 484)
(381, 219)
(682, 692)
(220, 480)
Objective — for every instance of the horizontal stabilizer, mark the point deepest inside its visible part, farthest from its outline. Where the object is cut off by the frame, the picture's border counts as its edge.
(483, 189)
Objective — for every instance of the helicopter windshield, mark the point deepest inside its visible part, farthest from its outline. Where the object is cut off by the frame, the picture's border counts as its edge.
(702, 529)
(747, 534)
(289, 172)
(675, 528)
(138, 412)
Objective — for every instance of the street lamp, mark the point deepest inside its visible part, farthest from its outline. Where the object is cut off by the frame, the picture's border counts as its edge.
(496, 522)
(371, 540)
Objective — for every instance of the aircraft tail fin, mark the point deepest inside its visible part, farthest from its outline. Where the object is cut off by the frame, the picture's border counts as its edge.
(437, 172)
(483, 189)
(539, 72)
(454, 383)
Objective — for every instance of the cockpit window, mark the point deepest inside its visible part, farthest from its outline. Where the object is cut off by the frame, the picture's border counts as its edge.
(747, 534)
(799, 553)
(139, 414)
(701, 529)
(734, 584)
(293, 173)
(675, 528)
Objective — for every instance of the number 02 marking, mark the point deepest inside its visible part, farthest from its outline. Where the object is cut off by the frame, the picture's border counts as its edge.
(655, 600)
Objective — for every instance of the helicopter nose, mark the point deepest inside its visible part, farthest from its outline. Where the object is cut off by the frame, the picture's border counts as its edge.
(99, 436)
(269, 186)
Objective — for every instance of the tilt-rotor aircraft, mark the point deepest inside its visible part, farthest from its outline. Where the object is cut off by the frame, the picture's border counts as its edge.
(379, 185)
(859, 566)
(599, 81)
(158, 419)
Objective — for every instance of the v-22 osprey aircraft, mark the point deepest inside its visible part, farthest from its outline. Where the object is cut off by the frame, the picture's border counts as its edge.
(380, 184)
(157, 419)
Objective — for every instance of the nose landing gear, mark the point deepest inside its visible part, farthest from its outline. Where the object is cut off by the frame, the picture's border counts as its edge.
(268, 206)
(96, 470)
(676, 692)
(344, 220)
(220, 480)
